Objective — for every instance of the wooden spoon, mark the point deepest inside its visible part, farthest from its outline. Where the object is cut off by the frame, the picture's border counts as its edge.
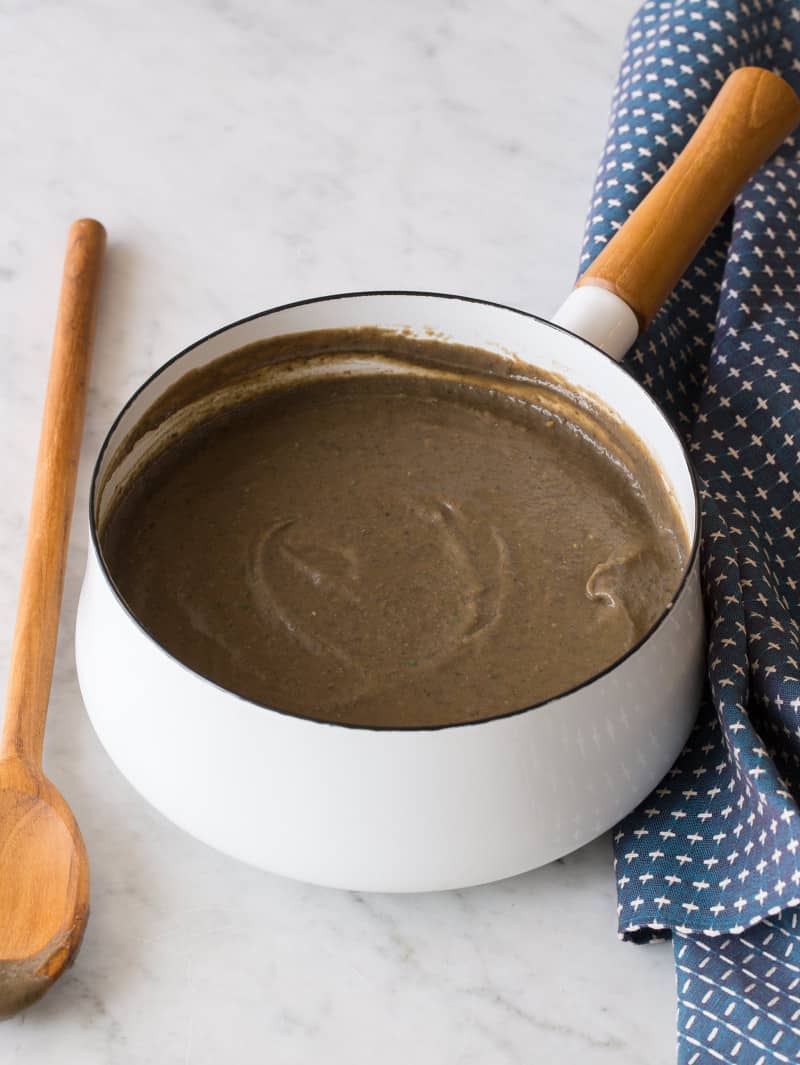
(44, 870)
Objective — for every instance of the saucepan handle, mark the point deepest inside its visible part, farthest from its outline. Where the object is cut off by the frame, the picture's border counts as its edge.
(620, 293)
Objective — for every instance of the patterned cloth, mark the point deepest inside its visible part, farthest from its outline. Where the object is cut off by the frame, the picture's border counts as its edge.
(712, 856)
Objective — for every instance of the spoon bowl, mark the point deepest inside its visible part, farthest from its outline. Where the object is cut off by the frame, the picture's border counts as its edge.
(44, 885)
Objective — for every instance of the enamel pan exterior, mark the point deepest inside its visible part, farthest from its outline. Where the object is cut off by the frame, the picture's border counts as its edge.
(381, 809)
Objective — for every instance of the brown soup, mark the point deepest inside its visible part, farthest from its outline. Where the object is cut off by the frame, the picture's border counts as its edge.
(432, 536)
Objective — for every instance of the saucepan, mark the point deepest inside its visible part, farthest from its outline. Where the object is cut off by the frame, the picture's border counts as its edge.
(424, 808)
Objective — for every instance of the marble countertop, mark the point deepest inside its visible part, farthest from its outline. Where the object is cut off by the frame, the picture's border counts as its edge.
(243, 154)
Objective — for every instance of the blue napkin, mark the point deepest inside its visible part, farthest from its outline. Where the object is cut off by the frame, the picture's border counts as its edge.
(712, 857)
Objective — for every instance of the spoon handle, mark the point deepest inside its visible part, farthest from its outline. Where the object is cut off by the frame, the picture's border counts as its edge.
(42, 583)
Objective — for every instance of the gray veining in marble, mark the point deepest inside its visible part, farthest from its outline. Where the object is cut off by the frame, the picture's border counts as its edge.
(243, 154)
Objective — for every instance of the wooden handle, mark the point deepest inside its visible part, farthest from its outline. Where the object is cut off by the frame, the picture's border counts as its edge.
(752, 114)
(42, 583)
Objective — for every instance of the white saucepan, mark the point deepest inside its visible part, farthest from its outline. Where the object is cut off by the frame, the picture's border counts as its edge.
(410, 809)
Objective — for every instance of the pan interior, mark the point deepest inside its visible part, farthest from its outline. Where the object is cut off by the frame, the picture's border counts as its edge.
(375, 528)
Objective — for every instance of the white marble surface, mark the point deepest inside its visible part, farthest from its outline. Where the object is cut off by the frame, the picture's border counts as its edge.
(243, 153)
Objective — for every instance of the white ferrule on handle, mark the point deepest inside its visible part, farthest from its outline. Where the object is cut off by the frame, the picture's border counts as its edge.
(600, 317)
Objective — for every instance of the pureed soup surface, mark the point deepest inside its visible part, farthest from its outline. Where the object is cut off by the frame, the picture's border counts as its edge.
(451, 540)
